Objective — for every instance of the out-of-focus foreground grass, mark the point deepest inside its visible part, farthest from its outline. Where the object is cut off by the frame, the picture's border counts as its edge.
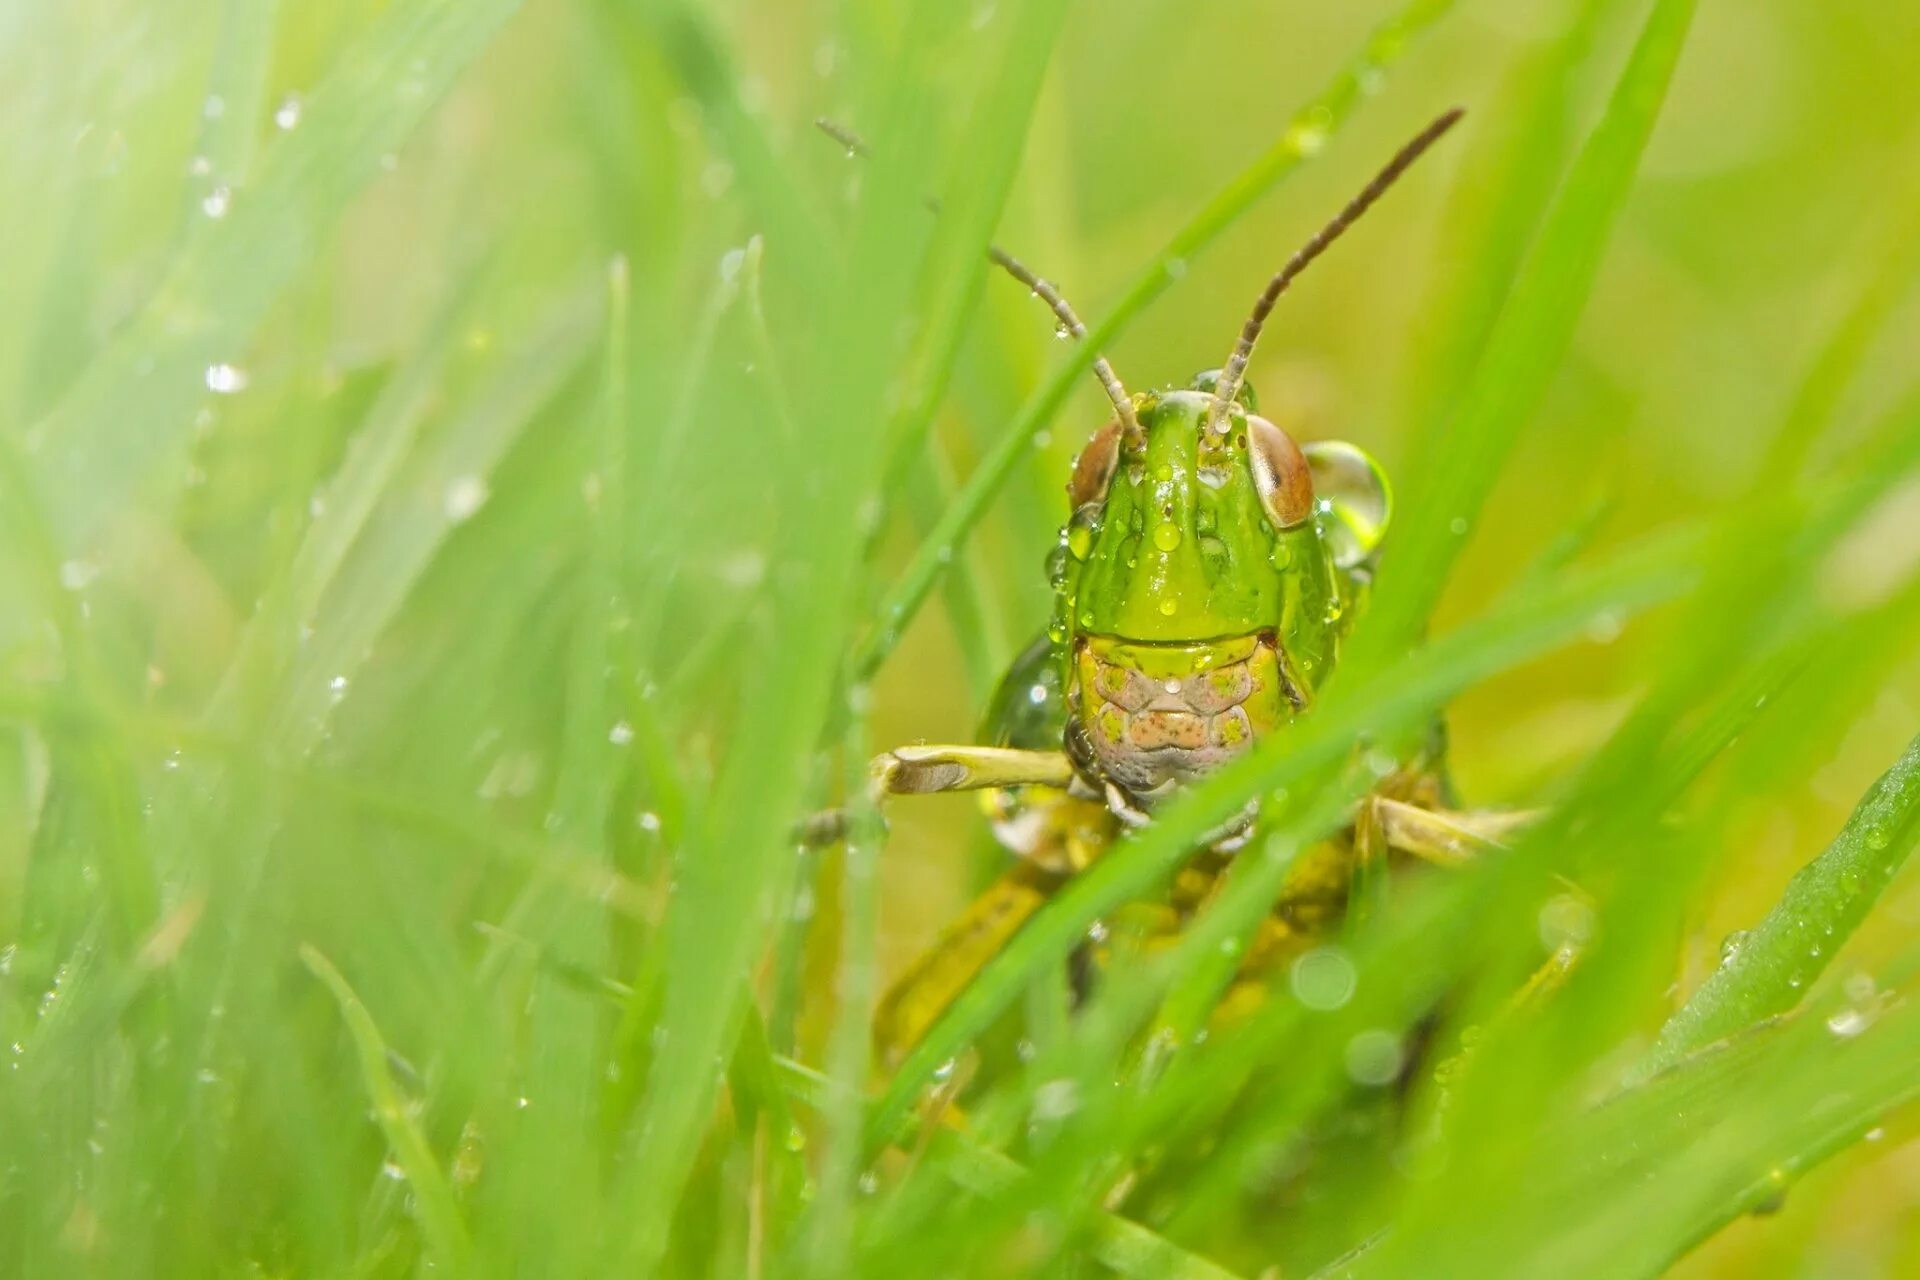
(473, 473)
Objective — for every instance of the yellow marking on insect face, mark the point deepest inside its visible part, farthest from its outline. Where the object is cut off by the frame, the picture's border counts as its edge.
(1173, 661)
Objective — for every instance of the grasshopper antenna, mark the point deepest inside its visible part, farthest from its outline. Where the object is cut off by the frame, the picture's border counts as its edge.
(1038, 285)
(1229, 384)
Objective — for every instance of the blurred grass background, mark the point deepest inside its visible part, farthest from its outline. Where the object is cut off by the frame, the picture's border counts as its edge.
(442, 444)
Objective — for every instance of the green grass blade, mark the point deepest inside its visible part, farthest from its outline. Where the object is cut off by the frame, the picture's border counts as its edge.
(1766, 972)
(433, 1198)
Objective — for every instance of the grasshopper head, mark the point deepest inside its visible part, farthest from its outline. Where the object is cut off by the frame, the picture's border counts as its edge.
(1211, 568)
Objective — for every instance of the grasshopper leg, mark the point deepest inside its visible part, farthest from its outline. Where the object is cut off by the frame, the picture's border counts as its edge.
(926, 770)
(1444, 837)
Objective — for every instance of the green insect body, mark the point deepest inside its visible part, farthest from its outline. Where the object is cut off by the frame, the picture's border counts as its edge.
(1208, 572)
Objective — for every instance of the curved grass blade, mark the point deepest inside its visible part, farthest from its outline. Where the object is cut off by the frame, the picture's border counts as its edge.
(1822, 906)
(1306, 132)
(433, 1198)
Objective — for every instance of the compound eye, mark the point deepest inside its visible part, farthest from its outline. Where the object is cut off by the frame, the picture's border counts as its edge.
(1093, 470)
(1281, 475)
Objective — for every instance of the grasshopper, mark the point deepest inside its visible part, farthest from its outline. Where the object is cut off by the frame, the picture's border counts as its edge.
(1209, 570)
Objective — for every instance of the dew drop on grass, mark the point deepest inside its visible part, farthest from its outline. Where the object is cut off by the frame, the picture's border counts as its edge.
(214, 107)
(1323, 979)
(1306, 138)
(796, 1140)
(1056, 1100)
(337, 687)
(226, 379)
(465, 495)
(217, 201)
(1848, 1023)
(287, 115)
(1374, 1057)
(78, 575)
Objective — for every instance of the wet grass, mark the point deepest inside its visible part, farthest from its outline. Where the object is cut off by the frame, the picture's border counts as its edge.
(473, 475)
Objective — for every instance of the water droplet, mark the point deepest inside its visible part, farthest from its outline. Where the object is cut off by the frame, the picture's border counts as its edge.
(214, 107)
(1169, 607)
(796, 1140)
(1374, 1057)
(287, 114)
(1848, 1023)
(869, 1183)
(1166, 537)
(1281, 557)
(1176, 268)
(337, 687)
(1306, 139)
(621, 733)
(1056, 1099)
(1172, 686)
(944, 1071)
(1877, 837)
(1458, 526)
(391, 1169)
(1081, 530)
(1061, 332)
(1565, 922)
(78, 575)
(1323, 979)
(1037, 694)
(1605, 627)
(464, 496)
(226, 379)
(1730, 945)
(217, 201)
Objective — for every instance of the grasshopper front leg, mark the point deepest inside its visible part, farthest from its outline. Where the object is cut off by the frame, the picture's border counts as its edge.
(919, 996)
(931, 769)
